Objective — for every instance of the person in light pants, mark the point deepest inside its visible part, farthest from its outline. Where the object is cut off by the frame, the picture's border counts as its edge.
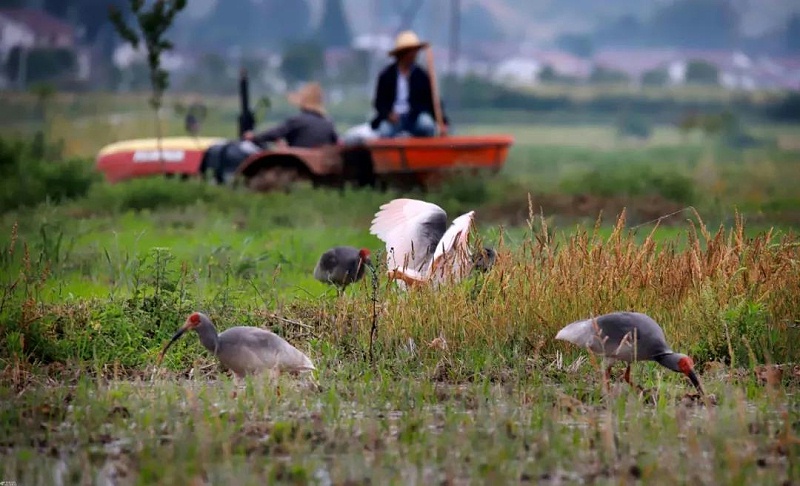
(403, 97)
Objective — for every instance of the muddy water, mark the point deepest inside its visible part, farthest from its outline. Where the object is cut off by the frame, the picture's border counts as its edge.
(199, 433)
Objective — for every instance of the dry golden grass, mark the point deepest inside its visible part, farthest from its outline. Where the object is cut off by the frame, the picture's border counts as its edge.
(721, 292)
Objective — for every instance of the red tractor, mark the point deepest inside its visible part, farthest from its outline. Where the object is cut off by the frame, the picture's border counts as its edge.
(376, 162)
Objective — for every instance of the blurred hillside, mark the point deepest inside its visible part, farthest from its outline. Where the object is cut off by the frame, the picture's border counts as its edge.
(739, 44)
(270, 23)
(710, 23)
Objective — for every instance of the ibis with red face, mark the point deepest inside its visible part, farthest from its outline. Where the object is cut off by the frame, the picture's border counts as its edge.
(628, 337)
(244, 350)
(342, 266)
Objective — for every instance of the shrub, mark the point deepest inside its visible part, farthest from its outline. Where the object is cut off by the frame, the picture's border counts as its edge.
(32, 173)
(627, 180)
(633, 126)
(787, 109)
(151, 193)
(463, 189)
(743, 336)
(302, 61)
(655, 77)
(41, 63)
(602, 75)
(701, 72)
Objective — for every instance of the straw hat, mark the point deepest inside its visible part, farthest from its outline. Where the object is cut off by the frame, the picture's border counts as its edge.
(406, 40)
(308, 97)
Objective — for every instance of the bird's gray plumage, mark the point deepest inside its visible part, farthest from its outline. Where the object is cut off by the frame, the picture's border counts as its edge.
(617, 333)
(341, 266)
(248, 350)
(430, 234)
(245, 350)
(627, 336)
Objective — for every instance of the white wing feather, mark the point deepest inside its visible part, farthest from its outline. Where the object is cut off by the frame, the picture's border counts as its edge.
(452, 255)
(457, 235)
(398, 224)
(579, 333)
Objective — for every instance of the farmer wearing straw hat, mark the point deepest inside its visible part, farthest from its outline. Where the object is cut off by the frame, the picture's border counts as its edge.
(310, 128)
(404, 98)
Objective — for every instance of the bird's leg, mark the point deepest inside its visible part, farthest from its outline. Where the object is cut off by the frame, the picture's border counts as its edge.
(628, 378)
(237, 384)
(607, 378)
(274, 377)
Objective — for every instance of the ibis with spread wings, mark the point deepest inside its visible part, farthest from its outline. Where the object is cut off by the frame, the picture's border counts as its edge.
(421, 248)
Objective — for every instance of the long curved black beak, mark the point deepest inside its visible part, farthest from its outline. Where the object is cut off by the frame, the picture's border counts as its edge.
(695, 381)
(177, 336)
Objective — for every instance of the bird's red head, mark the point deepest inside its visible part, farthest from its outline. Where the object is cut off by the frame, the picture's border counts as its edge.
(364, 254)
(193, 321)
(686, 365)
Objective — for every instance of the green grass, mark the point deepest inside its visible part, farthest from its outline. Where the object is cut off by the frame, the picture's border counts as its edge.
(88, 121)
(92, 288)
(365, 428)
(503, 403)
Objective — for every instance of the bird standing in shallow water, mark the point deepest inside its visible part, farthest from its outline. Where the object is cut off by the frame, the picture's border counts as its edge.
(342, 265)
(628, 336)
(421, 248)
(244, 350)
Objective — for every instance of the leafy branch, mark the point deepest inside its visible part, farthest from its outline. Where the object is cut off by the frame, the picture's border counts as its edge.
(151, 26)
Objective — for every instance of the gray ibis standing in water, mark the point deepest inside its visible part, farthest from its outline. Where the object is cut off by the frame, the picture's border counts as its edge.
(628, 336)
(244, 350)
(342, 265)
(421, 248)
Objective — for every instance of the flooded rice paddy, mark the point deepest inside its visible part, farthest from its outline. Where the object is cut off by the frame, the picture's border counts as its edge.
(361, 427)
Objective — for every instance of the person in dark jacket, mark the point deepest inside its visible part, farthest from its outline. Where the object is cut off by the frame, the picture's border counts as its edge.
(403, 97)
(310, 128)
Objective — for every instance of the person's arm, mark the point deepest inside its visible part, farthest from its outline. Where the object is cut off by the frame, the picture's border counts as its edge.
(275, 133)
(444, 114)
(383, 103)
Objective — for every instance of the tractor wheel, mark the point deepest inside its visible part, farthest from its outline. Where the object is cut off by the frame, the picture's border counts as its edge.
(274, 178)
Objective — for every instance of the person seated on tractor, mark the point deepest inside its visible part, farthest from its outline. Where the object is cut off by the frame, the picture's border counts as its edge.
(310, 128)
(403, 97)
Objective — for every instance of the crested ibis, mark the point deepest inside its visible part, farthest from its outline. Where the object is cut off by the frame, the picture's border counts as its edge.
(342, 265)
(628, 336)
(421, 248)
(244, 350)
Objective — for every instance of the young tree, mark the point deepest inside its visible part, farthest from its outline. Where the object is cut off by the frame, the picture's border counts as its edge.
(577, 44)
(302, 61)
(152, 24)
(793, 34)
(44, 93)
(333, 29)
(656, 77)
(603, 75)
(701, 72)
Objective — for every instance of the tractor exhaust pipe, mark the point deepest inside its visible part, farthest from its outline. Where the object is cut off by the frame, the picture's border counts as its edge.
(246, 118)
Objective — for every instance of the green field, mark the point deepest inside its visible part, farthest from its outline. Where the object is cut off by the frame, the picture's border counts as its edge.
(94, 284)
